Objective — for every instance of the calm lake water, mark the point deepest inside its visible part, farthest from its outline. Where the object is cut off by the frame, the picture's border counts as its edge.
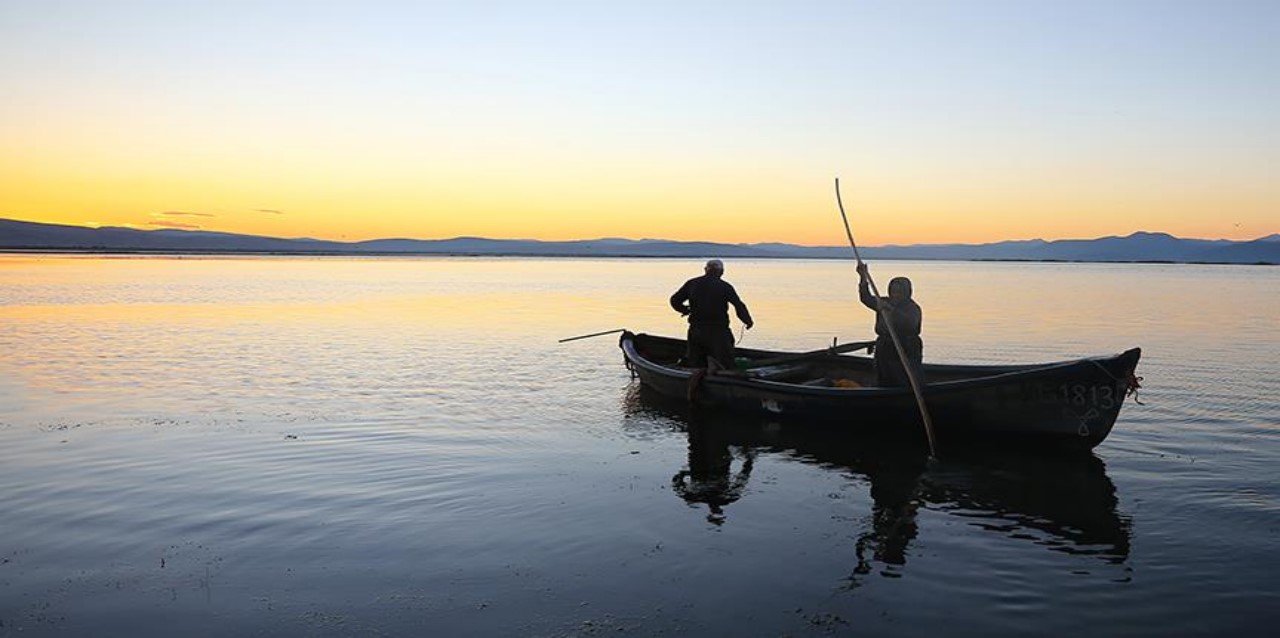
(327, 446)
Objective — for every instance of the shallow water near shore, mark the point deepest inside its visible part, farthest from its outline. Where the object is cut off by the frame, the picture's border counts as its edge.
(399, 446)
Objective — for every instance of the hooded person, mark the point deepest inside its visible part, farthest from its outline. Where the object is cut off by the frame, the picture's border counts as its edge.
(705, 301)
(906, 316)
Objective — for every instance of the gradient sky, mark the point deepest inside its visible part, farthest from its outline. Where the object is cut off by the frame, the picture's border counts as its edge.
(720, 121)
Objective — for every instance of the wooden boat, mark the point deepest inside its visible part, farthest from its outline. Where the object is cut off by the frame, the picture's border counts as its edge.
(1068, 404)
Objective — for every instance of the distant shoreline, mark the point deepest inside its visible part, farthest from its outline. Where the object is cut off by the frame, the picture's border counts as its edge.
(1137, 247)
(304, 253)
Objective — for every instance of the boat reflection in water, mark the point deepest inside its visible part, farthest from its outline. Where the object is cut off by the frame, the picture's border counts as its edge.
(1065, 503)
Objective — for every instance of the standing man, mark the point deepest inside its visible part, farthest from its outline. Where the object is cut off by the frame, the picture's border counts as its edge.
(906, 316)
(705, 300)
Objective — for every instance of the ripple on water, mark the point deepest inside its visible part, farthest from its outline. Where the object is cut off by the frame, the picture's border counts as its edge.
(328, 446)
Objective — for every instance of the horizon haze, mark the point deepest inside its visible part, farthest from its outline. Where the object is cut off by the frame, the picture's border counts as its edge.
(1135, 247)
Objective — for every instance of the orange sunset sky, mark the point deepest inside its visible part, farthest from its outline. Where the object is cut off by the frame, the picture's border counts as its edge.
(946, 121)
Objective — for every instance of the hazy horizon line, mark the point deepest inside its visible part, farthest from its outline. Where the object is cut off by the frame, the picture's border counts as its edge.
(191, 228)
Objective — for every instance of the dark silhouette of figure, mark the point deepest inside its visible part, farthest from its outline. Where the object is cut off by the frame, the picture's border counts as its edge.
(705, 301)
(895, 499)
(710, 478)
(906, 316)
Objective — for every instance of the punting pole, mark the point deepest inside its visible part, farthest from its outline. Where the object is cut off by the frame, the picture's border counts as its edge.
(594, 334)
(897, 344)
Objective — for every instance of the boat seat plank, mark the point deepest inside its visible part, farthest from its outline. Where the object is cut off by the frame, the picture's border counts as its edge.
(774, 373)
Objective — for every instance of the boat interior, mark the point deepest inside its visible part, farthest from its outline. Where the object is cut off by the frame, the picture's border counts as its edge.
(811, 369)
(818, 368)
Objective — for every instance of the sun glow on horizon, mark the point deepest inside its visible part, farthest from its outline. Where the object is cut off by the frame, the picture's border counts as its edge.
(948, 124)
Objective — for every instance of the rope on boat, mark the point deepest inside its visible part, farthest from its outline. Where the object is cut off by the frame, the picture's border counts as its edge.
(1131, 384)
(1131, 387)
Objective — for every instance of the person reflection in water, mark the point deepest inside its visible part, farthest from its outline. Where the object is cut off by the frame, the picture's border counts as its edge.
(705, 301)
(710, 479)
(895, 500)
(906, 316)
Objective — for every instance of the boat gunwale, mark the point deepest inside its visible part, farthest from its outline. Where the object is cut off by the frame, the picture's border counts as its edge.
(1020, 372)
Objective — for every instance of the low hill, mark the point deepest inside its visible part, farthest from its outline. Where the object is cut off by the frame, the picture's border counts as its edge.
(1137, 247)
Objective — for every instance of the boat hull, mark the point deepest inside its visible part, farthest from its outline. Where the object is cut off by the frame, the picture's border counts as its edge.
(1065, 404)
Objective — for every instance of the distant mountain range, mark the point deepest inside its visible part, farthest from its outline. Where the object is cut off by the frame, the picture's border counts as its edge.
(1138, 247)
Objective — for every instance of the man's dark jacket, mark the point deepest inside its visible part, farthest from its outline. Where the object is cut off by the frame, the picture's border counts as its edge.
(709, 298)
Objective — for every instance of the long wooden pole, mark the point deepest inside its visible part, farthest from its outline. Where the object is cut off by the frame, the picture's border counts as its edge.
(594, 334)
(893, 334)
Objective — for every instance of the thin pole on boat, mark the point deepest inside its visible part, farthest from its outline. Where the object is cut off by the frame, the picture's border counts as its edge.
(897, 343)
(594, 334)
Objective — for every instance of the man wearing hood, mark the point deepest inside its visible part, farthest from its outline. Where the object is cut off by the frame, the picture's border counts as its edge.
(906, 316)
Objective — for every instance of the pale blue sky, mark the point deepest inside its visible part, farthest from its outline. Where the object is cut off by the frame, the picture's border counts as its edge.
(1114, 103)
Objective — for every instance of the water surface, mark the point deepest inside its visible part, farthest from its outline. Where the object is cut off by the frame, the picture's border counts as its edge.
(303, 446)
